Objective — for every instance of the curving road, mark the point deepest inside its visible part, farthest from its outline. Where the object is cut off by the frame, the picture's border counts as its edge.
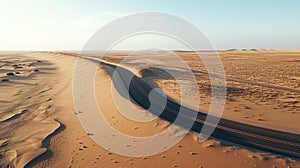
(278, 142)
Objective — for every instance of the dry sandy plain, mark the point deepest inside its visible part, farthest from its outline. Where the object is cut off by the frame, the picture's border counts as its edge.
(39, 125)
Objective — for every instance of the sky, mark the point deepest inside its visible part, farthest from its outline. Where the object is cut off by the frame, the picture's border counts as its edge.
(68, 24)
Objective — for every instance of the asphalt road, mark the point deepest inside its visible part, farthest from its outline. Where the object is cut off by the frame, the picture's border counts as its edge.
(265, 139)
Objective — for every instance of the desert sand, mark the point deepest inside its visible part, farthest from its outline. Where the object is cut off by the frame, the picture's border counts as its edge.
(39, 125)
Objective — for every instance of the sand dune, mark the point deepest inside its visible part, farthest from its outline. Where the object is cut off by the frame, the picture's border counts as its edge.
(25, 123)
(38, 119)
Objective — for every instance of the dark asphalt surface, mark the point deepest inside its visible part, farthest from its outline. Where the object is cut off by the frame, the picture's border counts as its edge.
(278, 142)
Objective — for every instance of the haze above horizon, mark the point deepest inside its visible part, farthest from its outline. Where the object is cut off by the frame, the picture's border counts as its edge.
(67, 25)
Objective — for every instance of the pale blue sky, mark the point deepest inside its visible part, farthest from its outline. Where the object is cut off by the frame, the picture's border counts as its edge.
(58, 24)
